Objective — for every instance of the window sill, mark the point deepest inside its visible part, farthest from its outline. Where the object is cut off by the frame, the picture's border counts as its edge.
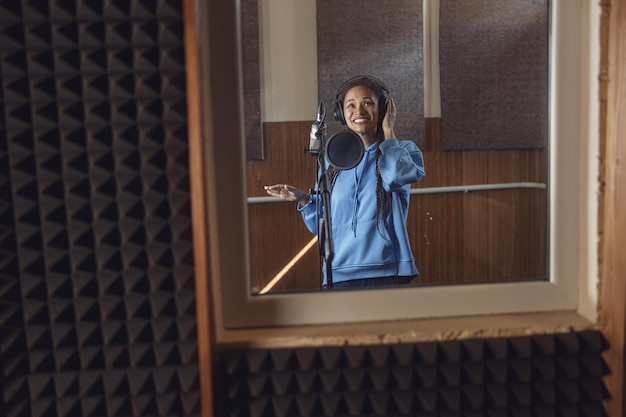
(406, 331)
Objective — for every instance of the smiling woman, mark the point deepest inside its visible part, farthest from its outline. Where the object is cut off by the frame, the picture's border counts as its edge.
(555, 290)
(367, 244)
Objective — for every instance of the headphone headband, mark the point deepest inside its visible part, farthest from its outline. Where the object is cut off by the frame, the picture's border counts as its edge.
(349, 81)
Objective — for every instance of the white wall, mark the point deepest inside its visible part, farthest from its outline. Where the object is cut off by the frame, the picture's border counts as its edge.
(288, 60)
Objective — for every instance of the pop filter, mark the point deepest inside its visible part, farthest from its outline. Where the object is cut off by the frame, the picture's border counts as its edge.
(344, 150)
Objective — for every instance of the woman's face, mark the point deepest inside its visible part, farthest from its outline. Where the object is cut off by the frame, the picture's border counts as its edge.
(360, 108)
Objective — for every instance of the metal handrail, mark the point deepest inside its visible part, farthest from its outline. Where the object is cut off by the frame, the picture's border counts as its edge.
(438, 190)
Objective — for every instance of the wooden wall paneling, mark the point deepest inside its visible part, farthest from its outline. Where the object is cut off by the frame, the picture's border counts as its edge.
(435, 229)
(432, 134)
(451, 233)
(285, 160)
(277, 232)
(442, 168)
(499, 240)
(499, 166)
(277, 235)
(500, 227)
(531, 232)
(434, 223)
(476, 212)
(479, 236)
(495, 220)
(537, 164)
(305, 274)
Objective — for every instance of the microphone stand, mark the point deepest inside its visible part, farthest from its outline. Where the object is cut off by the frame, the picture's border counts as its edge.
(324, 226)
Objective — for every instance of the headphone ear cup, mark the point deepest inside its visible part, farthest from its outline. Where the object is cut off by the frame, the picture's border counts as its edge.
(383, 108)
(383, 112)
(338, 112)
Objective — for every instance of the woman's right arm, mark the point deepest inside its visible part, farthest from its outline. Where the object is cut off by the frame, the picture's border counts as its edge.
(288, 193)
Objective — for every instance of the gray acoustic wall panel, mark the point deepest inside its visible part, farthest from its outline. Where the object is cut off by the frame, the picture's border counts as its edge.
(494, 74)
(378, 38)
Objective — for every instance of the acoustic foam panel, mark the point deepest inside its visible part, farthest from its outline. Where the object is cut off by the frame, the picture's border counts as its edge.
(96, 259)
(540, 375)
(494, 74)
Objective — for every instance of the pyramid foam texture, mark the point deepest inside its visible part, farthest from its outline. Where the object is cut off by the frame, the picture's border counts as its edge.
(556, 375)
(96, 261)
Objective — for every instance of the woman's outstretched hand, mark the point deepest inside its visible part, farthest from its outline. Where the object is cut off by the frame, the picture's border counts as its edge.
(287, 193)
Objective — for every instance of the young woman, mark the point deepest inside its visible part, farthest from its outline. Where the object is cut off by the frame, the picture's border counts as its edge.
(368, 203)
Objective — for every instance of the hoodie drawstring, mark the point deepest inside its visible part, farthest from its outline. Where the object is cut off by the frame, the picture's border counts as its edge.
(357, 202)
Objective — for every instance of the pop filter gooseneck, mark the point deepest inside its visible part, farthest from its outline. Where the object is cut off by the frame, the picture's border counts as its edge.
(344, 150)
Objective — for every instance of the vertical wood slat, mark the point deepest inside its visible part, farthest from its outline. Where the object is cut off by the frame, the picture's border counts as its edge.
(203, 305)
(612, 221)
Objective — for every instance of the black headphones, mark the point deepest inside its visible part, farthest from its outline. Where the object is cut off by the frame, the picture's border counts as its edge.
(368, 81)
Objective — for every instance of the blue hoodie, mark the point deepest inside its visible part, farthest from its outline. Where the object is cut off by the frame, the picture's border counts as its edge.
(363, 247)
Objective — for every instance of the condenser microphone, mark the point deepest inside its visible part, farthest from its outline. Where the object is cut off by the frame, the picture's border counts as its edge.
(344, 150)
(316, 126)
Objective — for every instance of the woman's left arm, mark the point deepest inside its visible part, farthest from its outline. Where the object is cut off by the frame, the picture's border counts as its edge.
(400, 163)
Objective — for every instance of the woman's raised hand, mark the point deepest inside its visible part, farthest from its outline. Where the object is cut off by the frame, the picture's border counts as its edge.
(287, 193)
